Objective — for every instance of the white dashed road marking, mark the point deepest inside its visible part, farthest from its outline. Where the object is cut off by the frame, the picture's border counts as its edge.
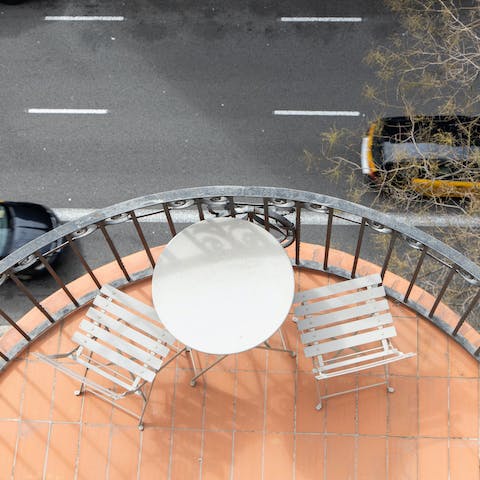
(324, 113)
(90, 18)
(320, 19)
(69, 111)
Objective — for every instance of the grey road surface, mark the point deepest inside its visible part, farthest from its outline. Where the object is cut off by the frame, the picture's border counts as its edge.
(190, 88)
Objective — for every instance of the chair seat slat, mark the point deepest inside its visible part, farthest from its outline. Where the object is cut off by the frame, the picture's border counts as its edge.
(337, 363)
(385, 361)
(338, 302)
(341, 315)
(104, 374)
(114, 357)
(348, 342)
(81, 378)
(345, 328)
(339, 287)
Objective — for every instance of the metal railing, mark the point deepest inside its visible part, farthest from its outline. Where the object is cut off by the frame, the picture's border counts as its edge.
(292, 216)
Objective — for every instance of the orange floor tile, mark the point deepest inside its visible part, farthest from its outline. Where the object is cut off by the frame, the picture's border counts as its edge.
(251, 417)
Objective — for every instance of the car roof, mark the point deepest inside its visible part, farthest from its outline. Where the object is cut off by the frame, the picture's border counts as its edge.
(396, 152)
(459, 129)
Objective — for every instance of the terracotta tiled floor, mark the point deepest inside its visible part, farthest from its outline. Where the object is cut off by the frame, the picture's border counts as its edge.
(251, 417)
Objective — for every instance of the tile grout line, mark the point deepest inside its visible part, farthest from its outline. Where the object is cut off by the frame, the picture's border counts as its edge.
(202, 428)
(357, 434)
(325, 406)
(387, 435)
(80, 420)
(80, 433)
(448, 409)
(295, 401)
(172, 424)
(50, 413)
(418, 397)
(265, 394)
(478, 413)
(234, 420)
(110, 441)
(20, 421)
(140, 451)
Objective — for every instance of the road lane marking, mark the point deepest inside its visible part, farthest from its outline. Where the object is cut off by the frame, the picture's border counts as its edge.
(320, 19)
(308, 218)
(69, 111)
(90, 18)
(325, 113)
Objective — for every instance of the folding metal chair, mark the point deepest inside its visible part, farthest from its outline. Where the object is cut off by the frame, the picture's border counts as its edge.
(121, 346)
(345, 328)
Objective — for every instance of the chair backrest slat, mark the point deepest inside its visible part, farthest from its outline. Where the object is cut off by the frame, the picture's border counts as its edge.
(114, 357)
(138, 322)
(118, 343)
(338, 302)
(349, 342)
(128, 332)
(130, 302)
(342, 315)
(356, 283)
(375, 321)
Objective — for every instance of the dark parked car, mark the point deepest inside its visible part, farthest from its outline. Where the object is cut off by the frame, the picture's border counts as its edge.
(21, 222)
(436, 156)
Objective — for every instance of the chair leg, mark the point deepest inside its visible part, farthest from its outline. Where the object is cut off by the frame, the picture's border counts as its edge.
(285, 346)
(192, 360)
(319, 395)
(390, 389)
(193, 381)
(145, 399)
(266, 345)
(81, 390)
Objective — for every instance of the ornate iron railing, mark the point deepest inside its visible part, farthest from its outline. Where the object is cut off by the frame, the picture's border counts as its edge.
(292, 216)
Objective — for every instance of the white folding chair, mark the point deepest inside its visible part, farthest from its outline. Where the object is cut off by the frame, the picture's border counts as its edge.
(346, 327)
(122, 347)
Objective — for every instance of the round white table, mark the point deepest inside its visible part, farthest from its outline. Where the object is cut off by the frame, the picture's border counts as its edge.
(223, 286)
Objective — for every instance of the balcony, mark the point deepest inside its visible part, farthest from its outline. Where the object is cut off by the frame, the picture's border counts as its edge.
(253, 415)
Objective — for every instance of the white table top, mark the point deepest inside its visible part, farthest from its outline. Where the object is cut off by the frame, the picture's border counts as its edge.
(223, 286)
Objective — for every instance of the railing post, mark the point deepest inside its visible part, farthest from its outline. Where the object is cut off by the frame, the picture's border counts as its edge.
(328, 238)
(142, 238)
(57, 279)
(467, 312)
(14, 325)
(415, 273)
(298, 230)
(393, 237)
(27, 293)
(114, 251)
(84, 263)
(357, 249)
(171, 226)
(442, 291)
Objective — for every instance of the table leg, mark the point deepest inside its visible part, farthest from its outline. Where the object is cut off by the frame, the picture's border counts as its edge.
(193, 381)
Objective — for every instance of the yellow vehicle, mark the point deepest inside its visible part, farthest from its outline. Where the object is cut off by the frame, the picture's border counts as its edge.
(436, 156)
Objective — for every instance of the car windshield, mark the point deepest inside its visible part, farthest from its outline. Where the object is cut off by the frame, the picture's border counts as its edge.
(4, 231)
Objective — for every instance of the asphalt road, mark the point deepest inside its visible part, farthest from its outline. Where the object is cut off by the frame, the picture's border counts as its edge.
(190, 88)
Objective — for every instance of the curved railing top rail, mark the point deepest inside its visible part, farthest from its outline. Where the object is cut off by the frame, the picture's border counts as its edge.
(386, 220)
